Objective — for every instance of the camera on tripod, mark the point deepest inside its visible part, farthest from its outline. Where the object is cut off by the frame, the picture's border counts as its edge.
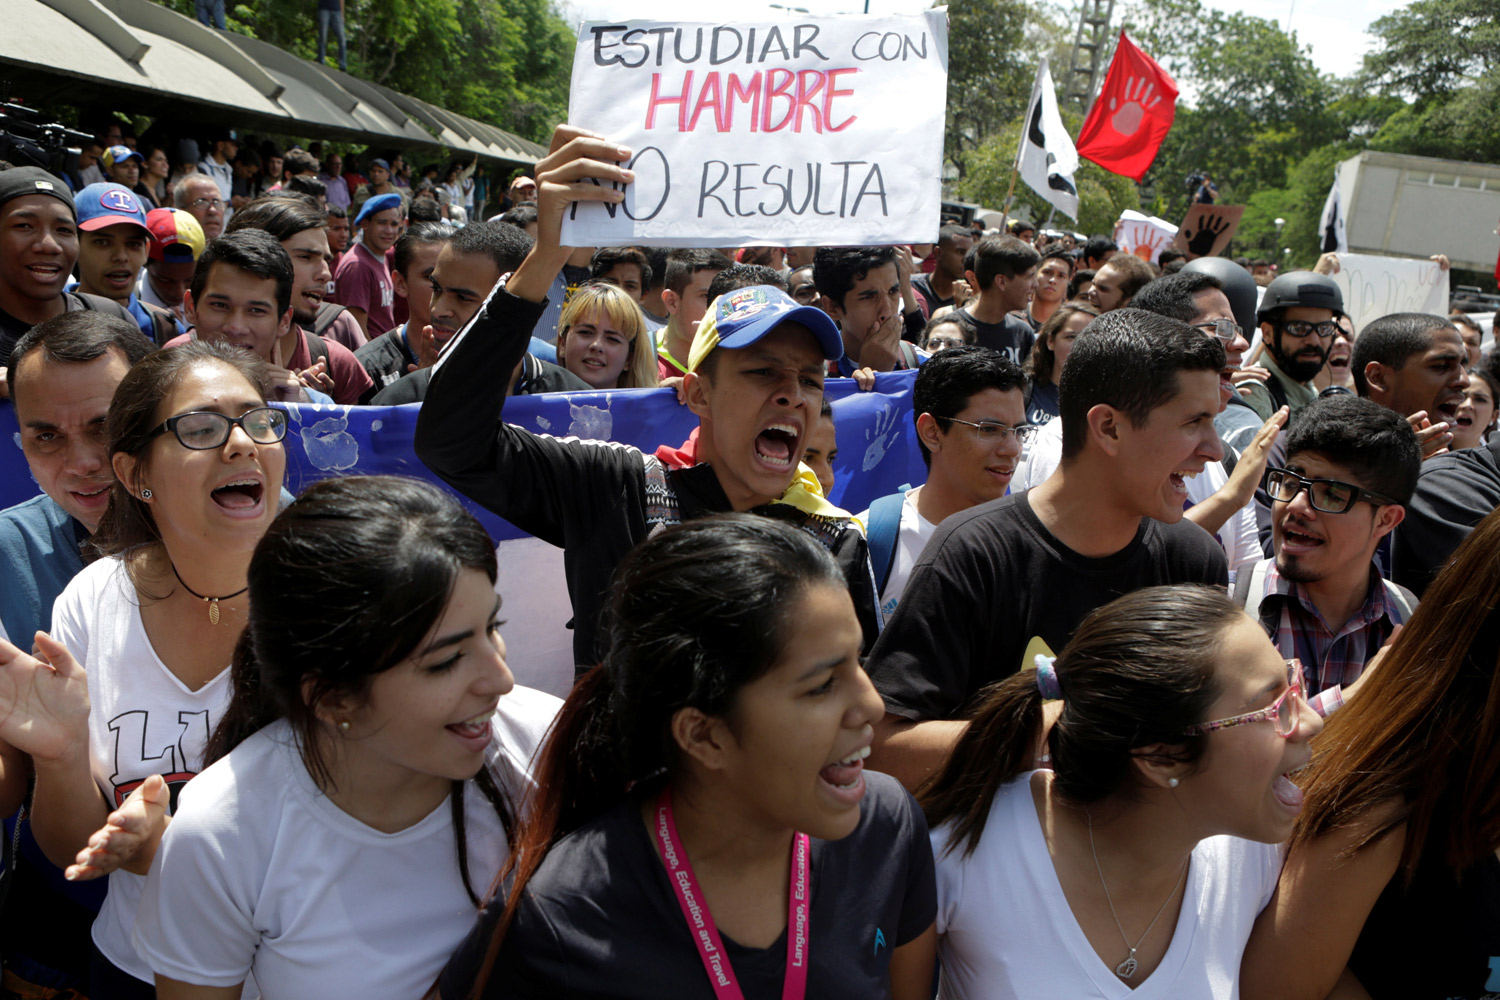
(28, 139)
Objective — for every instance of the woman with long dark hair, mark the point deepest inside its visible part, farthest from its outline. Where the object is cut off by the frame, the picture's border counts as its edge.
(1140, 860)
(367, 774)
(703, 825)
(137, 667)
(1054, 342)
(1391, 882)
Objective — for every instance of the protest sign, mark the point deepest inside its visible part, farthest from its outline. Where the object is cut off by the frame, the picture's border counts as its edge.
(807, 132)
(877, 454)
(1376, 286)
(1207, 230)
(1146, 236)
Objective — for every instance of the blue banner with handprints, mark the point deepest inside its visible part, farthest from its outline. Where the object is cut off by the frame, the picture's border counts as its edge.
(877, 447)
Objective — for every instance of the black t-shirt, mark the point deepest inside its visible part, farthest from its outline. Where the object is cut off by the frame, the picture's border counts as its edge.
(1437, 940)
(1012, 337)
(1042, 403)
(992, 578)
(12, 329)
(600, 918)
(536, 376)
(922, 285)
(1454, 493)
(386, 358)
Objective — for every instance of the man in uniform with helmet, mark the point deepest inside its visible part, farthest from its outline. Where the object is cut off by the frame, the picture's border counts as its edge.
(1296, 318)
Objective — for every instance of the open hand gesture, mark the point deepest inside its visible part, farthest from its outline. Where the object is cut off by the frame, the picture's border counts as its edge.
(129, 837)
(44, 701)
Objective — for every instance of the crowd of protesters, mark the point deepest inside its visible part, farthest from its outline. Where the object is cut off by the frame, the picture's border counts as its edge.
(1177, 672)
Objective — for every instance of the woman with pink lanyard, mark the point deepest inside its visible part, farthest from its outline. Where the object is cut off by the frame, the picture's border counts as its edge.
(704, 826)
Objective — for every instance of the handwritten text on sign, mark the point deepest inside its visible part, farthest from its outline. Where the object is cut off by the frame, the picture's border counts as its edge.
(795, 133)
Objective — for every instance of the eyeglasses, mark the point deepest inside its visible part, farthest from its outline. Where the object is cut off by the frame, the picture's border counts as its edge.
(944, 342)
(1285, 712)
(206, 203)
(1300, 328)
(202, 430)
(1224, 330)
(1327, 495)
(991, 432)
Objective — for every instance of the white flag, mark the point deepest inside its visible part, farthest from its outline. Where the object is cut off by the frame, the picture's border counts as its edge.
(1048, 159)
(1334, 235)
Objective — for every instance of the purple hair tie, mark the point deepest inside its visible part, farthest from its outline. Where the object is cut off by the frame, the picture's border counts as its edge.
(1046, 678)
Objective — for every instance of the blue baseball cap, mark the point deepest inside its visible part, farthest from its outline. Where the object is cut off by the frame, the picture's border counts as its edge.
(381, 163)
(379, 203)
(100, 205)
(741, 317)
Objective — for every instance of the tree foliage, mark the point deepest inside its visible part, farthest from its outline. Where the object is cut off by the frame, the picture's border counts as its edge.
(992, 59)
(1252, 101)
(505, 62)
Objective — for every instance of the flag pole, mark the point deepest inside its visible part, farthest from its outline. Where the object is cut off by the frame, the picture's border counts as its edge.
(1005, 209)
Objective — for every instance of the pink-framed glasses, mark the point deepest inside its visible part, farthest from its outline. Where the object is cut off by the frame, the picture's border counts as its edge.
(1285, 712)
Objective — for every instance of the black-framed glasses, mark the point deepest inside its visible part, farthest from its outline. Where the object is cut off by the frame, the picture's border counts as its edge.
(1327, 495)
(1301, 328)
(202, 430)
(992, 432)
(1223, 330)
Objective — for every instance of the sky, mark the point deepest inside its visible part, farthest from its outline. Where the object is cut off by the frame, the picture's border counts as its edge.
(1336, 29)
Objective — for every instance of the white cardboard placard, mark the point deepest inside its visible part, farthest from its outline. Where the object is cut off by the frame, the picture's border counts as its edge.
(815, 131)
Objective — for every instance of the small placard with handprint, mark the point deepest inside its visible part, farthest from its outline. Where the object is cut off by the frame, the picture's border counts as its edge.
(1207, 230)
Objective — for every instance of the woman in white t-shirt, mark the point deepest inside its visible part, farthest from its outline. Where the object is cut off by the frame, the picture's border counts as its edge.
(1137, 865)
(363, 781)
(142, 639)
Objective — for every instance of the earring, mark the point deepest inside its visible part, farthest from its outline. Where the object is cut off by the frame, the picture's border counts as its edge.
(145, 494)
(1172, 782)
(344, 728)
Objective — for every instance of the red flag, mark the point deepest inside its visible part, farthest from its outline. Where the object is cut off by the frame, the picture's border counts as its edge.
(1132, 114)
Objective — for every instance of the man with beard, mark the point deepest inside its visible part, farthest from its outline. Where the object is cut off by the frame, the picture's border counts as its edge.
(1350, 472)
(1297, 323)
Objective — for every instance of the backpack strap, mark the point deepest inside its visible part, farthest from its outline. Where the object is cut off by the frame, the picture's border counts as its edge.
(328, 312)
(163, 325)
(1277, 392)
(881, 534)
(1404, 600)
(1250, 588)
(317, 350)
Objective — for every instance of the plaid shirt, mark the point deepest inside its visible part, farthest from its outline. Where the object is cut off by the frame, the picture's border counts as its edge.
(1330, 658)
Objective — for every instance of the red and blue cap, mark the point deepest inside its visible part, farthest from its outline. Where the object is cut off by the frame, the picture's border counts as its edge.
(100, 205)
(743, 316)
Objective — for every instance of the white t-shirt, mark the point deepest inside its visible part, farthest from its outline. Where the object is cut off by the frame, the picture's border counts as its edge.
(142, 719)
(260, 873)
(1006, 930)
(1239, 536)
(911, 539)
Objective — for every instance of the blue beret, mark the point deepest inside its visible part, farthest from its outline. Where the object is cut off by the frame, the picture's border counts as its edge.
(379, 203)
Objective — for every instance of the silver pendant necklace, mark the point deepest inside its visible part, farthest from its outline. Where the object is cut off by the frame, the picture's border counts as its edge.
(1127, 968)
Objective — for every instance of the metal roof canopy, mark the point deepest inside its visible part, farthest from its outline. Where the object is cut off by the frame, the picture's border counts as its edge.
(76, 50)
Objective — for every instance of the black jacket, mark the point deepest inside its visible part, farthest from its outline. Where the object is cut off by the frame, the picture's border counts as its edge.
(596, 500)
(1454, 493)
